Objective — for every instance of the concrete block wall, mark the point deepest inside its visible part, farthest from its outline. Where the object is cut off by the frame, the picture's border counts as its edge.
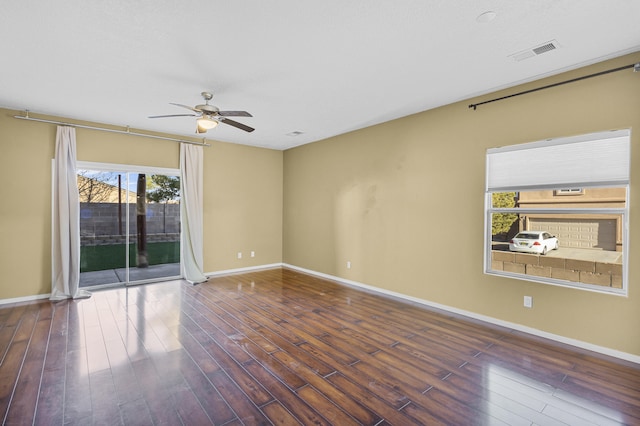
(101, 219)
(583, 271)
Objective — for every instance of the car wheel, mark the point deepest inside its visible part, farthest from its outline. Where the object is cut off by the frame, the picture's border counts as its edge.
(544, 250)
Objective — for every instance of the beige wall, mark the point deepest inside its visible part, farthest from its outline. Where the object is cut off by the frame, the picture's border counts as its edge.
(403, 202)
(243, 209)
(591, 197)
(242, 198)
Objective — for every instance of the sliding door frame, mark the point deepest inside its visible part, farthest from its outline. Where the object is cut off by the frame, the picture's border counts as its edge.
(127, 169)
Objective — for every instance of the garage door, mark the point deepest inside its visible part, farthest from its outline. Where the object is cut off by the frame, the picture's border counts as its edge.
(594, 233)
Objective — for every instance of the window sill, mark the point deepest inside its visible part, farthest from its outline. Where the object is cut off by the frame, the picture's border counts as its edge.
(559, 283)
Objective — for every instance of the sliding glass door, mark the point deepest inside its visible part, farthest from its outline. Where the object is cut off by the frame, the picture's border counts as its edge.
(129, 224)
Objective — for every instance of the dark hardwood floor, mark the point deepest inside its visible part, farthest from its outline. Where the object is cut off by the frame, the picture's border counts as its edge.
(282, 347)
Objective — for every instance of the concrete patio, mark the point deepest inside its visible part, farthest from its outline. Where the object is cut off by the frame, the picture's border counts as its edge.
(115, 276)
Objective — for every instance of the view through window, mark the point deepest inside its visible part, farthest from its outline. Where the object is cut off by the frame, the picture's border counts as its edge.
(547, 235)
(129, 225)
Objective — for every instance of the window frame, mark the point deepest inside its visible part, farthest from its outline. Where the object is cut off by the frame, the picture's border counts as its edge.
(623, 213)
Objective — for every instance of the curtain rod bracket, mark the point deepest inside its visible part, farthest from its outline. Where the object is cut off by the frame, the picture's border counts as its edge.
(636, 67)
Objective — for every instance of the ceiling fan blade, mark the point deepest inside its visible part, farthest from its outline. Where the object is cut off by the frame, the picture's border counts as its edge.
(237, 125)
(185, 106)
(234, 114)
(173, 115)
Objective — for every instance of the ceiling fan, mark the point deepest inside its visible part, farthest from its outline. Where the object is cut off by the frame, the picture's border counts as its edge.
(209, 115)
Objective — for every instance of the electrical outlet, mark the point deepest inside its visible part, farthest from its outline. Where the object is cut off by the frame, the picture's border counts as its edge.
(253, 254)
(348, 265)
(239, 255)
(528, 301)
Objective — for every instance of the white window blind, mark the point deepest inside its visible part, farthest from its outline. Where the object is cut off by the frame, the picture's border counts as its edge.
(597, 159)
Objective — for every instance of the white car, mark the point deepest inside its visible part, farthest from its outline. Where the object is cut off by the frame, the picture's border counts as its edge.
(539, 242)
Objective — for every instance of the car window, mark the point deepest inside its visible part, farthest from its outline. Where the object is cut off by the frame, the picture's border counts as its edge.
(527, 236)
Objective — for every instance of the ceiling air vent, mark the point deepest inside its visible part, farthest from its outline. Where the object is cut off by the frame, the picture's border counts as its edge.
(535, 51)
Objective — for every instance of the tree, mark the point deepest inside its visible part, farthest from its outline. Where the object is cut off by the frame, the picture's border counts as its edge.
(97, 187)
(163, 188)
(501, 222)
(141, 220)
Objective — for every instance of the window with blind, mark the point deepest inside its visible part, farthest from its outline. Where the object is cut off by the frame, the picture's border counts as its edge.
(556, 211)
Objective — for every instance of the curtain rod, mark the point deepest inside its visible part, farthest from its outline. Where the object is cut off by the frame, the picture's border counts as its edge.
(104, 129)
(636, 68)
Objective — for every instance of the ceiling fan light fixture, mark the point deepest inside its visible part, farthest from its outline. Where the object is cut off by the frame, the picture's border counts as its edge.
(209, 116)
(206, 123)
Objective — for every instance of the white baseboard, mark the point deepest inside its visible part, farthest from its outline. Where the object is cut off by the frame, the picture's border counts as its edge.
(24, 299)
(242, 270)
(514, 326)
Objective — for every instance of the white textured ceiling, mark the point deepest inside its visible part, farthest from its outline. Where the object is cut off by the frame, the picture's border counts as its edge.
(321, 68)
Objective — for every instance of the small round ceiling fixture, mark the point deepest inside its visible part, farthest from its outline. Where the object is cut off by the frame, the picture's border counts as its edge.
(485, 17)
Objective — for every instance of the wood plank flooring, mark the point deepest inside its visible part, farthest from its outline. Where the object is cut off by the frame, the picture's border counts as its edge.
(281, 347)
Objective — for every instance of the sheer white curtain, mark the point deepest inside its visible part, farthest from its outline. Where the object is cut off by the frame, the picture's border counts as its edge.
(66, 219)
(192, 240)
